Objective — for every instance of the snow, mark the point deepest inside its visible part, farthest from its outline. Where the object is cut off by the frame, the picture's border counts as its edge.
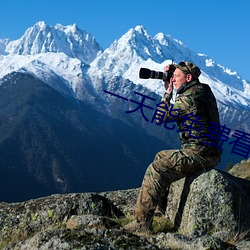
(44, 65)
(209, 62)
(128, 54)
(74, 56)
(42, 38)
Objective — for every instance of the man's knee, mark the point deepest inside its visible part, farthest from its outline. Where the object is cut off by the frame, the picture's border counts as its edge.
(162, 161)
(164, 154)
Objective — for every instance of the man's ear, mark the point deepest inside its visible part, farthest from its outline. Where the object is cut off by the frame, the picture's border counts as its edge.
(189, 77)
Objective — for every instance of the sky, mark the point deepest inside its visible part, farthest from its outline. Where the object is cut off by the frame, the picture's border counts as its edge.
(217, 28)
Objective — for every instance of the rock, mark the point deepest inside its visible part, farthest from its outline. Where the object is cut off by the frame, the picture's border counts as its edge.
(243, 245)
(212, 202)
(124, 199)
(20, 220)
(241, 169)
(209, 210)
(178, 241)
(85, 239)
(90, 221)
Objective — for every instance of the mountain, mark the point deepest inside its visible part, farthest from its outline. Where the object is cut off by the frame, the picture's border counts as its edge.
(79, 81)
(71, 46)
(41, 38)
(55, 144)
(137, 49)
(84, 78)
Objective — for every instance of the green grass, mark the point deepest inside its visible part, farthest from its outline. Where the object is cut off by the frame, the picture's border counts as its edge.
(160, 223)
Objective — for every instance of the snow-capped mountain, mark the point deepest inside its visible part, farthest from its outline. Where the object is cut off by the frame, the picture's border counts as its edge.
(57, 55)
(137, 49)
(64, 73)
(41, 38)
(55, 136)
(3, 43)
(71, 61)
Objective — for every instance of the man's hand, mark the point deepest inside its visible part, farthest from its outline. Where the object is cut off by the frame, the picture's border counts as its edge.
(168, 85)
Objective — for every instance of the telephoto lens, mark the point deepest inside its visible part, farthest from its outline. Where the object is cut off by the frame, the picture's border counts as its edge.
(145, 73)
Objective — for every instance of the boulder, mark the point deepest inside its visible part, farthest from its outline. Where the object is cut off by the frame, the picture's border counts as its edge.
(19, 221)
(210, 202)
(241, 169)
(209, 210)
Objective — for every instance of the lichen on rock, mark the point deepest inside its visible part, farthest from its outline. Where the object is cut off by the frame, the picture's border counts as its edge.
(211, 202)
(209, 210)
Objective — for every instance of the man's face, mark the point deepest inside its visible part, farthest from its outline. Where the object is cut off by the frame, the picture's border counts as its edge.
(179, 78)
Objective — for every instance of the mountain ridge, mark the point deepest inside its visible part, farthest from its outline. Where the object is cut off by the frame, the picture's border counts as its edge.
(135, 49)
(55, 144)
(120, 63)
(42, 38)
(95, 117)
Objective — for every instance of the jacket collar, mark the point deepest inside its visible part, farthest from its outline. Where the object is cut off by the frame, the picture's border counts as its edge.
(187, 85)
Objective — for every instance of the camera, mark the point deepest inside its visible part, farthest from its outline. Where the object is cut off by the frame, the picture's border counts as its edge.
(146, 73)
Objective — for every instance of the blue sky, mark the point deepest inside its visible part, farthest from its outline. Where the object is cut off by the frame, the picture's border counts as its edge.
(218, 28)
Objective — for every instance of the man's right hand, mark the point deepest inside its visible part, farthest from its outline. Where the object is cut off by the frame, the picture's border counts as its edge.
(168, 85)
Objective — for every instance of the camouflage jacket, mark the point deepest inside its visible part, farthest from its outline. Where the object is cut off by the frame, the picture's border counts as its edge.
(194, 108)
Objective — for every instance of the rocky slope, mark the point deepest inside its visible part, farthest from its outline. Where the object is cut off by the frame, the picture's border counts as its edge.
(207, 211)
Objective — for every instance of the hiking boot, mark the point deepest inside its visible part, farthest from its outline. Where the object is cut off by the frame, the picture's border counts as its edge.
(140, 227)
(159, 212)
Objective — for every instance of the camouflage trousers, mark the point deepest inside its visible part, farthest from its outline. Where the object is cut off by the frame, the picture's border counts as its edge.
(167, 167)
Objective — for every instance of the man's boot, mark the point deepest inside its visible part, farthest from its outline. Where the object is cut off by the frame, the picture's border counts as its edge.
(137, 226)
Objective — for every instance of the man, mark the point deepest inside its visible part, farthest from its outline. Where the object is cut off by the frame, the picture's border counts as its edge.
(193, 107)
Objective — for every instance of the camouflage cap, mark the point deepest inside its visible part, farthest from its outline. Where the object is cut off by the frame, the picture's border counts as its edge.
(189, 68)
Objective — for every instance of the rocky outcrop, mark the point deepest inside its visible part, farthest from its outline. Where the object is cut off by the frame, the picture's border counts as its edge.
(241, 169)
(209, 210)
(210, 202)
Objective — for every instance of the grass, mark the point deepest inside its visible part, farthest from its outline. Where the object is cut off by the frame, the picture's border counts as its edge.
(123, 220)
(238, 237)
(160, 223)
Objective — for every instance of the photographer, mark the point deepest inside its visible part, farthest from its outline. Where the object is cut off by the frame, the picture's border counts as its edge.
(191, 97)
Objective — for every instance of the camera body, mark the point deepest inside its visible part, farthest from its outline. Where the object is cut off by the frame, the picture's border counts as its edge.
(146, 73)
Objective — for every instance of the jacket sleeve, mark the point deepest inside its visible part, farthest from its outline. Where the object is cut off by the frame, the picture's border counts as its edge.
(183, 105)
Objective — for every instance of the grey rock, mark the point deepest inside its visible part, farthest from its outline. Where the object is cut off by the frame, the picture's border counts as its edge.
(83, 239)
(241, 169)
(212, 202)
(124, 199)
(20, 220)
(209, 210)
(90, 221)
(243, 245)
(178, 241)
